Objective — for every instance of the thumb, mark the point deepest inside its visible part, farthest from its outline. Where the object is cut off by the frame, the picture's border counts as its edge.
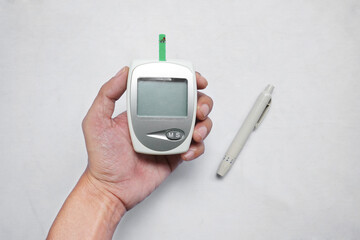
(104, 103)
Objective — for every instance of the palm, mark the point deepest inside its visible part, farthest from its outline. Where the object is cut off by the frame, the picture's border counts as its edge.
(122, 170)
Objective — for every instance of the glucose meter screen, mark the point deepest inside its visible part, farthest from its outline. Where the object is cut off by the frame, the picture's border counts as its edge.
(162, 97)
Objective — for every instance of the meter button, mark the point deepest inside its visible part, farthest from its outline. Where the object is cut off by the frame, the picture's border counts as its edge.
(174, 134)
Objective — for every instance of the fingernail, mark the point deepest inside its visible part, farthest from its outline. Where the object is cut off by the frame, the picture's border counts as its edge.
(189, 155)
(198, 73)
(205, 109)
(120, 72)
(202, 131)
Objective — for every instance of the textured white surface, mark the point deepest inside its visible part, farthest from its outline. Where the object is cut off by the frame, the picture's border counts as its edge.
(297, 177)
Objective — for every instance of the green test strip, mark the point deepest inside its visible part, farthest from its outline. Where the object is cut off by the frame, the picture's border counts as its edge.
(162, 47)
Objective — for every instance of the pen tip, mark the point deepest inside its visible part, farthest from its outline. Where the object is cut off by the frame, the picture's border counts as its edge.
(223, 169)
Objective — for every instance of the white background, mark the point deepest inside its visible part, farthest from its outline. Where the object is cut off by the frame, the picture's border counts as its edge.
(297, 177)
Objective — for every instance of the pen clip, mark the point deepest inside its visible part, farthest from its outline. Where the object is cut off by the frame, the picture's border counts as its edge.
(263, 115)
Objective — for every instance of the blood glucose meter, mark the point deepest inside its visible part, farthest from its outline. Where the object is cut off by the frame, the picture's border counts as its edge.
(161, 104)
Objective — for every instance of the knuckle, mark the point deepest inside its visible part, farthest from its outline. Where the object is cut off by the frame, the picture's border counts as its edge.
(102, 90)
(84, 123)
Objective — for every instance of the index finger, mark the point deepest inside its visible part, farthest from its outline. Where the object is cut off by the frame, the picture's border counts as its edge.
(201, 81)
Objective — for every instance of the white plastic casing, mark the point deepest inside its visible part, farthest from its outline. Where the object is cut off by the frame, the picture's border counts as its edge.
(161, 69)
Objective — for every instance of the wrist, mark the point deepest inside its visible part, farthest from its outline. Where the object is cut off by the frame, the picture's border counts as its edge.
(108, 201)
(89, 212)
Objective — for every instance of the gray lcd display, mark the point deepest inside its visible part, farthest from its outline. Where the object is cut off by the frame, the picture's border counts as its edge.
(162, 97)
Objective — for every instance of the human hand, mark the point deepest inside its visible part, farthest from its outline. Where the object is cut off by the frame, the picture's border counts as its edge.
(113, 166)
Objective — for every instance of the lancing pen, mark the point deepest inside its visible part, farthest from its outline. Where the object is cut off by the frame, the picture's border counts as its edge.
(252, 122)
